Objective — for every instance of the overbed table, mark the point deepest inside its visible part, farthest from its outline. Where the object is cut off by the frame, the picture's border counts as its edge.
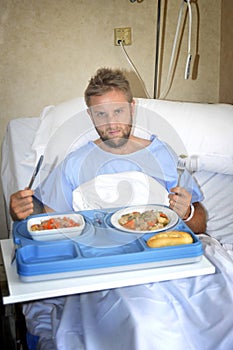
(20, 291)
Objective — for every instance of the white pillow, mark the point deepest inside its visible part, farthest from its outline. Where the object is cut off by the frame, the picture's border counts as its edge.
(72, 134)
(52, 118)
(203, 128)
(201, 131)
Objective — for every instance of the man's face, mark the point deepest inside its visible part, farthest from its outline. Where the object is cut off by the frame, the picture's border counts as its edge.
(112, 117)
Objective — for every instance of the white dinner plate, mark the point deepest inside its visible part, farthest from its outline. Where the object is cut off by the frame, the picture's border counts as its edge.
(173, 217)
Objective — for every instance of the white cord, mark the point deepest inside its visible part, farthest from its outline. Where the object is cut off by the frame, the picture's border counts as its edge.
(189, 57)
(165, 90)
(190, 26)
(135, 69)
(187, 69)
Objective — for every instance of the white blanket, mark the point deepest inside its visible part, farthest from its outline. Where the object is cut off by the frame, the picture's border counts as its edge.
(185, 314)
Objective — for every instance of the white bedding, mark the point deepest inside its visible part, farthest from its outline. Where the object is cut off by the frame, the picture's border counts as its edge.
(186, 314)
(17, 170)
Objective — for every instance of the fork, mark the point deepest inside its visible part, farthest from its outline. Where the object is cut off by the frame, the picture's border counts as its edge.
(181, 165)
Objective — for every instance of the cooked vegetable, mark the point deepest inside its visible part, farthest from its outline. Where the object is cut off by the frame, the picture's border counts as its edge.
(54, 223)
(149, 220)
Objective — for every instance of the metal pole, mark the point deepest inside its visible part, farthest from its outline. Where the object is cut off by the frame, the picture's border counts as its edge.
(157, 49)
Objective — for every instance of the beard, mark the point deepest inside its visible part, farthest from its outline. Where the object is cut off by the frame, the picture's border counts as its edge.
(116, 142)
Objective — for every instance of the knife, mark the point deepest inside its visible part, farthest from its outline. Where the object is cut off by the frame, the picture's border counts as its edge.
(37, 168)
(35, 172)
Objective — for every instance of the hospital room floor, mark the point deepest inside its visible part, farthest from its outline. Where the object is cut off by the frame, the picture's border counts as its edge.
(12, 326)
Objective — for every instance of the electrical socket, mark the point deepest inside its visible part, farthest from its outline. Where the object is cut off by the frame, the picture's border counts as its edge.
(122, 34)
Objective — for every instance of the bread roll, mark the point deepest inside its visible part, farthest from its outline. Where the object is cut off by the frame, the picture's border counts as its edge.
(169, 238)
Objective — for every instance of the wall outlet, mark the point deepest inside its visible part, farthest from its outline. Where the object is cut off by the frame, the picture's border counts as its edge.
(122, 34)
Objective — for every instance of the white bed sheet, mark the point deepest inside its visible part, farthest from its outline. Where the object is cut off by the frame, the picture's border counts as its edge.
(218, 201)
(16, 147)
(182, 314)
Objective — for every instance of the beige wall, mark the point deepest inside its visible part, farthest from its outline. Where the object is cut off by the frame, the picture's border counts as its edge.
(226, 50)
(203, 85)
(49, 49)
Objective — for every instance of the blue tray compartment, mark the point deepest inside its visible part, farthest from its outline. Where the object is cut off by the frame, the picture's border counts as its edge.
(54, 257)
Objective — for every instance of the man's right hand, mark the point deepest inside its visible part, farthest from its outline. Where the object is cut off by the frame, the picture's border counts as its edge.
(21, 204)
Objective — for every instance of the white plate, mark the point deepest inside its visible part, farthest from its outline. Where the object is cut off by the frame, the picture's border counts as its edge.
(173, 217)
(56, 234)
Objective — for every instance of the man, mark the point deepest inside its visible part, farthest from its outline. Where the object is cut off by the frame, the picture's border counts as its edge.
(180, 313)
(117, 151)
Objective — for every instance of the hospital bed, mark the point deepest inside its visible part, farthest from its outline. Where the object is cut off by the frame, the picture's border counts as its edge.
(185, 316)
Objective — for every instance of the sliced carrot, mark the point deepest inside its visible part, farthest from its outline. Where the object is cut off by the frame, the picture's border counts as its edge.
(130, 224)
(151, 223)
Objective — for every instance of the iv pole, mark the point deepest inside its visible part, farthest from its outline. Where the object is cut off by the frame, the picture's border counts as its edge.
(157, 49)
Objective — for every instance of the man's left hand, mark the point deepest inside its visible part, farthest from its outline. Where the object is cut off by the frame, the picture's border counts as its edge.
(179, 201)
